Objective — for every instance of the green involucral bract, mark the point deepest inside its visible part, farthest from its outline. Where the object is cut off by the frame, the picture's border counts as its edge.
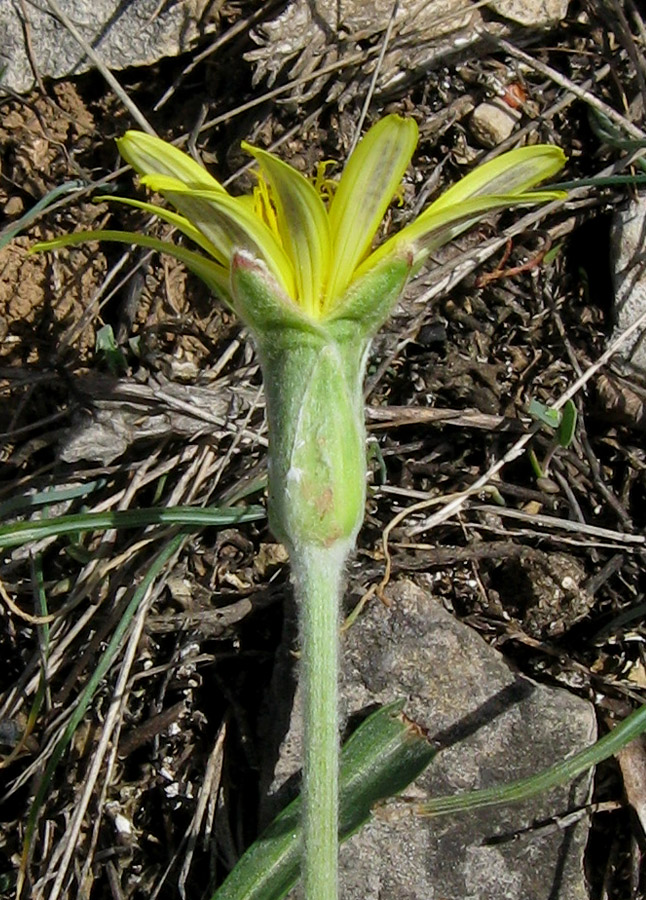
(298, 269)
(313, 376)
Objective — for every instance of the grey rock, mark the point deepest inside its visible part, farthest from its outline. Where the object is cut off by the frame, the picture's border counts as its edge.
(531, 12)
(628, 249)
(136, 33)
(495, 726)
(492, 122)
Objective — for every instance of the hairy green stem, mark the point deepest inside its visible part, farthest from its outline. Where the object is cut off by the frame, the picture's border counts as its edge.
(318, 580)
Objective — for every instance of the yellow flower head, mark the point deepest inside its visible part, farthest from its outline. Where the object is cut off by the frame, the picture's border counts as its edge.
(316, 243)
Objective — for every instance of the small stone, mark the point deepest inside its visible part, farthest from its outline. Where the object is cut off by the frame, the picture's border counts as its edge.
(492, 122)
(629, 277)
(531, 12)
(13, 207)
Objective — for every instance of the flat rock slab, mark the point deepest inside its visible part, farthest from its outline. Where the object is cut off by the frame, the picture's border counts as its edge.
(136, 33)
(495, 726)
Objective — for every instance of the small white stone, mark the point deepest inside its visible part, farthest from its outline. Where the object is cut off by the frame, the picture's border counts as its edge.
(492, 122)
(122, 825)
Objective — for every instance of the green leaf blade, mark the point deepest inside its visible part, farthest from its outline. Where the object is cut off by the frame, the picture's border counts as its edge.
(383, 756)
(189, 517)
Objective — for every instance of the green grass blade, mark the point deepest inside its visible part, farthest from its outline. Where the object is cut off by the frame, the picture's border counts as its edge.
(610, 134)
(598, 181)
(384, 755)
(562, 772)
(17, 504)
(189, 517)
(270, 867)
(11, 231)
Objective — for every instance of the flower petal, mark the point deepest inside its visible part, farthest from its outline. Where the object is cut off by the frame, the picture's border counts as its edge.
(303, 226)
(173, 218)
(436, 227)
(370, 178)
(228, 224)
(150, 155)
(215, 277)
(510, 173)
(499, 184)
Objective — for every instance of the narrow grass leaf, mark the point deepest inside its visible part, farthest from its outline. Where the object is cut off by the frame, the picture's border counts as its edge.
(561, 773)
(44, 648)
(48, 496)
(11, 231)
(190, 517)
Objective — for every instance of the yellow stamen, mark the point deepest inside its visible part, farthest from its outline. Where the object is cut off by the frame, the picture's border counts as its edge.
(399, 195)
(263, 205)
(324, 186)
